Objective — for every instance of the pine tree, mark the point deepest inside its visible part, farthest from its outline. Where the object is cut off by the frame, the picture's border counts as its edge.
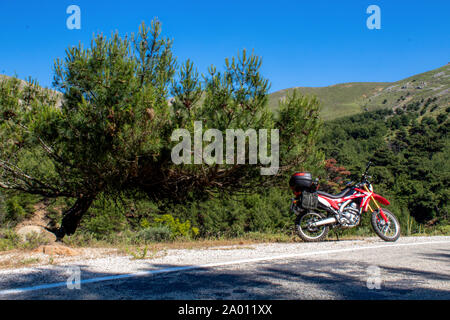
(121, 99)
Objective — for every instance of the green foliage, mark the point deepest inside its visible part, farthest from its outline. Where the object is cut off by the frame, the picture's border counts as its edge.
(8, 239)
(111, 133)
(300, 126)
(104, 218)
(15, 212)
(239, 214)
(15, 207)
(141, 253)
(337, 100)
(177, 228)
(157, 234)
(410, 157)
(106, 148)
(346, 99)
(34, 240)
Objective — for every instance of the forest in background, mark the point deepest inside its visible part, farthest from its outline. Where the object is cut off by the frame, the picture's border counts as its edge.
(409, 149)
(108, 145)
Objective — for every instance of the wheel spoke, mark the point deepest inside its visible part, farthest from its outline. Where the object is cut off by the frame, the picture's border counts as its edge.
(309, 230)
(389, 229)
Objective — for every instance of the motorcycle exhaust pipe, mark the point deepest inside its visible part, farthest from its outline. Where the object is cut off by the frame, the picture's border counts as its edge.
(324, 222)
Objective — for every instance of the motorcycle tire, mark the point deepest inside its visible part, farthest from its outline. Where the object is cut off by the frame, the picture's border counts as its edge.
(303, 233)
(379, 225)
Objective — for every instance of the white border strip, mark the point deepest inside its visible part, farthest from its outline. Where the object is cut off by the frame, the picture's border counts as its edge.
(210, 265)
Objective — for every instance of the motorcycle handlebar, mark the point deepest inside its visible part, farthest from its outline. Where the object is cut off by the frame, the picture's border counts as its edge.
(365, 172)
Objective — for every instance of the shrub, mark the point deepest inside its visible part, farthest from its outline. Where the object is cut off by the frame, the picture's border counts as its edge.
(177, 228)
(441, 118)
(34, 240)
(104, 218)
(158, 233)
(234, 216)
(444, 230)
(17, 207)
(8, 239)
(14, 211)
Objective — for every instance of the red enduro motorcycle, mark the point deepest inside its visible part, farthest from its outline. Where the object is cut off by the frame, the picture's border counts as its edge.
(317, 211)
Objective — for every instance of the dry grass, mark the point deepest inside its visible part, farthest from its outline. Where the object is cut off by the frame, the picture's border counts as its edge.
(216, 244)
(18, 258)
(21, 257)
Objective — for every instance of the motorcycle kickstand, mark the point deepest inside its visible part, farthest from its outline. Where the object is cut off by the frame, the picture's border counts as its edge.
(336, 232)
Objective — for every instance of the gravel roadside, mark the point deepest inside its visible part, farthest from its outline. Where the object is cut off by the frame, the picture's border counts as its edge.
(111, 263)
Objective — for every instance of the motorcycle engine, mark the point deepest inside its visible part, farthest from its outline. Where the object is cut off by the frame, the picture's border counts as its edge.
(350, 216)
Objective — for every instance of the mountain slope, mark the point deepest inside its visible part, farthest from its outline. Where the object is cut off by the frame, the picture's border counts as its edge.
(355, 97)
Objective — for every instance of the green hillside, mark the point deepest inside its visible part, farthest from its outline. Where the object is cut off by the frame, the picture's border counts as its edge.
(405, 134)
(351, 98)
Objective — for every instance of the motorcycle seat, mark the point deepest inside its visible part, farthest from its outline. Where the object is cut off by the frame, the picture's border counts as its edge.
(334, 196)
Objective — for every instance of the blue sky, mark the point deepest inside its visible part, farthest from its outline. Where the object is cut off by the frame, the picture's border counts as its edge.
(302, 43)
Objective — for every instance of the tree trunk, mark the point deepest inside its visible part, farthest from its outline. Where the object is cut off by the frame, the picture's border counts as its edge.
(72, 217)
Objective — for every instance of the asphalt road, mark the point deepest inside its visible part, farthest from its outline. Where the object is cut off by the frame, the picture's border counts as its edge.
(418, 270)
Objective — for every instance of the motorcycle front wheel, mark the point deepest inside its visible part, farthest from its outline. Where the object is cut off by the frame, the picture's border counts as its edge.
(389, 231)
(307, 232)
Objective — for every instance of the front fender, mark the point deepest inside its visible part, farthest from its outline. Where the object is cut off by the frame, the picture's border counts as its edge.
(381, 199)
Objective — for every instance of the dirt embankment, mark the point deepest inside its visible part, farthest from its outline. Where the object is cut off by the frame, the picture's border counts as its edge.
(38, 226)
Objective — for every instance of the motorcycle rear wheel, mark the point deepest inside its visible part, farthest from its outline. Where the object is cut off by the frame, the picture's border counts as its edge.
(311, 234)
(387, 232)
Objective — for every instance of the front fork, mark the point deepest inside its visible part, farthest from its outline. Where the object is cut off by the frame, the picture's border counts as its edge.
(377, 205)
